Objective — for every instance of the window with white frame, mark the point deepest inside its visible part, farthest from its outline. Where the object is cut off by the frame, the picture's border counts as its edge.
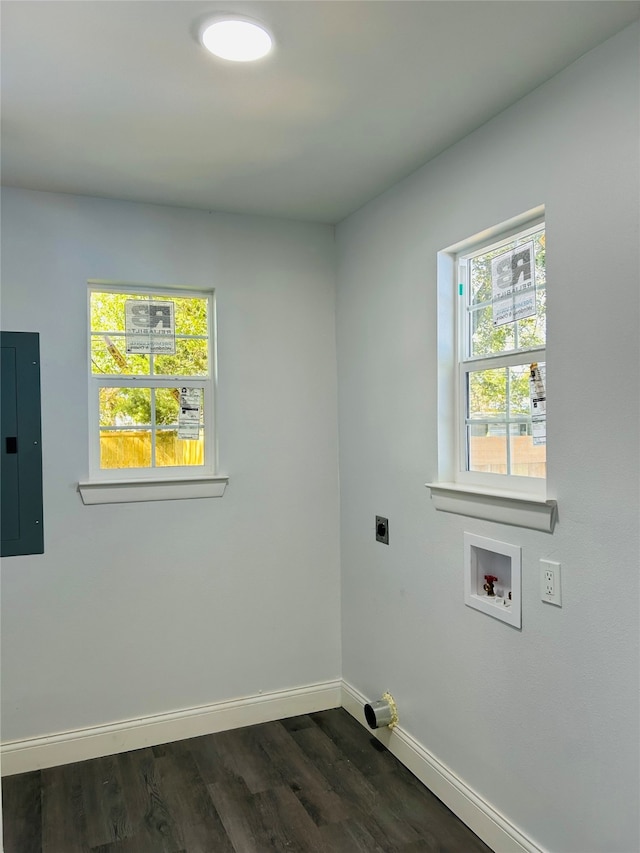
(151, 382)
(501, 374)
(492, 372)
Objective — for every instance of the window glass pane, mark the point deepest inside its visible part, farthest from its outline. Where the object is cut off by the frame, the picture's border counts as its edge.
(480, 265)
(480, 278)
(167, 408)
(108, 355)
(125, 406)
(527, 459)
(190, 315)
(487, 393)
(190, 360)
(171, 450)
(532, 331)
(107, 310)
(539, 240)
(488, 452)
(487, 339)
(125, 448)
(168, 405)
(480, 274)
(519, 399)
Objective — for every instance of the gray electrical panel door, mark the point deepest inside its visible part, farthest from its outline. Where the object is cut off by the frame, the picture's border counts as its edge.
(20, 445)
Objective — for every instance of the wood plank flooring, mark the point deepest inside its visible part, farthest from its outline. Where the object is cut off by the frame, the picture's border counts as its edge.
(312, 784)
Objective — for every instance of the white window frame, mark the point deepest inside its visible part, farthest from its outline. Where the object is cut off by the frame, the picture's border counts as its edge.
(468, 363)
(154, 483)
(507, 498)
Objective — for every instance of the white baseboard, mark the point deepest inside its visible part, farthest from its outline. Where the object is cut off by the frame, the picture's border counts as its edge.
(487, 823)
(22, 756)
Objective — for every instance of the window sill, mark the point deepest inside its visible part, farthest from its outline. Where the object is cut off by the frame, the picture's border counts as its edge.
(130, 491)
(491, 505)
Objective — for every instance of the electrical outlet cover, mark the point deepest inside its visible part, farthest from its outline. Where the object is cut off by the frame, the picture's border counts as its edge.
(550, 586)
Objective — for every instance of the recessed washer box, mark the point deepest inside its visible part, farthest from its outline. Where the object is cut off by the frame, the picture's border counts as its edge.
(493, 578)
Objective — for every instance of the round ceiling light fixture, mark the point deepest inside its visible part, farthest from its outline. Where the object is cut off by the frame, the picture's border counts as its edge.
(235, 39)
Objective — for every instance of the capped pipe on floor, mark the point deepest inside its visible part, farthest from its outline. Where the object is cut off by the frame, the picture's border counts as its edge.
(384, 712)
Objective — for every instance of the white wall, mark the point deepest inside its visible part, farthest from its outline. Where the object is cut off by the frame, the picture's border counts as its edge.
(138, 609)
(542, 722)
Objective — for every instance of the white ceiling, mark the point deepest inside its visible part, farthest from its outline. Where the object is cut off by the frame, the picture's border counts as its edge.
(115, 98)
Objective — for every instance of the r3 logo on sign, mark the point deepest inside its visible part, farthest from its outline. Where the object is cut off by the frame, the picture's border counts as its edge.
(513, 285)
(150, 315)
(150, 327)
(513, 270)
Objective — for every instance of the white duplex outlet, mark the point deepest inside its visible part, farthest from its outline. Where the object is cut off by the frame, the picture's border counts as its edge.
(550, 589)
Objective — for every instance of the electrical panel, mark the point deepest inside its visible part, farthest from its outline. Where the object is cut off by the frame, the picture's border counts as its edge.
(21, 521)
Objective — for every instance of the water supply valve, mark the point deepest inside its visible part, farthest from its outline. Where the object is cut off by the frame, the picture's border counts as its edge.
(489, 582)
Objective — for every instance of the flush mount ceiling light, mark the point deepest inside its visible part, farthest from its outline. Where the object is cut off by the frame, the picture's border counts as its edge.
(235, 39)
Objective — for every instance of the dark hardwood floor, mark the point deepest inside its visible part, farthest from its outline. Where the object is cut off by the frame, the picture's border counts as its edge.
(311, 784)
